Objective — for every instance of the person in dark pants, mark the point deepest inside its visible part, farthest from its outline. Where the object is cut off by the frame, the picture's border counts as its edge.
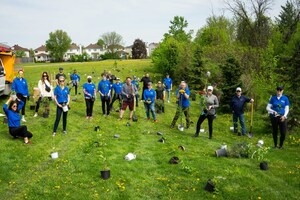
(60, 73)
(20, 87)
(62, 100)
(149, 102)
(128, 92)
(160, 96)
(237, 106)
(135, 81)
(104, 89)
(11, 109)
(182, 95)
(145, 80)
(278, 108)
(117, 94)
(75, 78)
(208, 112)
(89, 91)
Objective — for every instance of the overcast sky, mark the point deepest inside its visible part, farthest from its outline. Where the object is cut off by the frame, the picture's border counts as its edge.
(29, 22)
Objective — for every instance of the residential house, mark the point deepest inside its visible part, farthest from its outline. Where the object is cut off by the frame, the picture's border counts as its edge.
(151, 47)
(16, 47)
(41, 54)
(73, 50)
(94, 51)
(128, 51)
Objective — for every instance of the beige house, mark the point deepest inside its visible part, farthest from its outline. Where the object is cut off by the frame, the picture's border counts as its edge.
(151, 47)
(74, 49)
(94, 51)
(41, 54)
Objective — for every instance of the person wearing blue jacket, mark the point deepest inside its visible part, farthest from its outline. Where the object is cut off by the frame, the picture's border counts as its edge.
(182, 95)
(238, 103)
(62, 100)
(104, 89)
(75, 78)
(11, 109)
(168, 85)
(20, 87)
(149, 96)
(89, 91)
(278, 108)
(117, 87)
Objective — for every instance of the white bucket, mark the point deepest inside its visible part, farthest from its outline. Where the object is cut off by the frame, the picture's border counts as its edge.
(180, 127)
(201, 130)
(54, 155)
(130, 156)
(224, 146)
(260, 143)
(232, 128)
(65, 108)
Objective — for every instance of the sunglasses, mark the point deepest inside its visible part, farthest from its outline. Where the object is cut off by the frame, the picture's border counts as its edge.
(238, 91)
(279, 89)
(44, 75)
(61, 80)
(14, 106)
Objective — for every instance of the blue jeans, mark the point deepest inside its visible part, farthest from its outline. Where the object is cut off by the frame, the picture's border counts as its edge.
(235, 118)
(169, 93)
(150, 107)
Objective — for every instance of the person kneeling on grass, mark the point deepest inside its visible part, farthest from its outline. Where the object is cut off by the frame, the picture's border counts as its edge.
(149, 101)
(13, 119)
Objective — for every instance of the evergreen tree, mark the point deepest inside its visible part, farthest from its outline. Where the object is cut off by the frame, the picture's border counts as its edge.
(139, 49)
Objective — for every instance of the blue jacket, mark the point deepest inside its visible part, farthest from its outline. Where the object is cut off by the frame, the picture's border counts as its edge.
(104, 87)
(75, 77)
(13, 118)
(238, 103)
(182, 100)
(149, 94)
(167, 82)
(279, 104)
(89, 88)
(117, 88)
(61, 95)
(20, 86)
(136, 83)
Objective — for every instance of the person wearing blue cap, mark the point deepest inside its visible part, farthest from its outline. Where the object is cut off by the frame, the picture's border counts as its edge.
(278, 108)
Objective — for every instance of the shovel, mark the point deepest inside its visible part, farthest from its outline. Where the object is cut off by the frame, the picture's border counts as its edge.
(250, 134)
(134, 117)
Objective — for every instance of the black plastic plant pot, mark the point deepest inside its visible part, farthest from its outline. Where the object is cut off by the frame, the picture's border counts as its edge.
(32, 107)
(221, 153)
(209, 186)
(45, 115)
(5, 120)
(105, 174)
(263, 165)
(97, 128)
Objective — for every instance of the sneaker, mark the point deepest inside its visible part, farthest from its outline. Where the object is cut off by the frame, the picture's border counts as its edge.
(281, 147)
(87, 117)
(196, 135)
(23, 119)
(91, 117)
(65, 132)
(210, 137)
(148, 118)
(35, 115)
(29, 142)
(168, 101)
(155, 120)
(53, 134)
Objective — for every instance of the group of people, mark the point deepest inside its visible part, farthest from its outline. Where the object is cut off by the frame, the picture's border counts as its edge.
(127, 95)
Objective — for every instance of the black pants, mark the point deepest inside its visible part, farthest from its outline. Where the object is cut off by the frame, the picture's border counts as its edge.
(20, 96)
(104, 101)
(20, 131)
(37, 107)
(116, 97)
(75, 88)
(210, 119)
(137, 100)
(276, 122)
(89, 107)
(59, 110)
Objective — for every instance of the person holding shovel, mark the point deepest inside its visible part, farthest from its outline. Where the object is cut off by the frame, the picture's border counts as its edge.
(104, 89)
(128, 92)
(182, 95)
(89, 91)
(149, 101)
(211, 103)
(278, 108)
(237, 106)
(11, 109)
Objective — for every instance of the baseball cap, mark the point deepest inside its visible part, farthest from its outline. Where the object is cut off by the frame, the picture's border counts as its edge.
(159, 82)
(61, 68)
(89, 77)
(134, 76)
(238, 89)
(117, 78)
(280, 87)
(210, 88)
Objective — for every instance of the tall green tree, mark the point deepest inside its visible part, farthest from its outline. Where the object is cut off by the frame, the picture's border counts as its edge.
(20, 53)
(58, 44)
(113, 41)
(101, 43)
(177, 30)
(139, 49)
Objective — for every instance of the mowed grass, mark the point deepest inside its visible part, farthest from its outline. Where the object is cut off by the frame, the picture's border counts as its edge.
(28, 172)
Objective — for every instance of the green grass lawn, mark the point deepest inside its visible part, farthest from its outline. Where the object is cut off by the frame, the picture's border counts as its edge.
(28, 172)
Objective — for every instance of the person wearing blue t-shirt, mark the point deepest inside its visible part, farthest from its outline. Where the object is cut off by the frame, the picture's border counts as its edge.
(104, 89)
(62, 100)
(20, 87)
(168, 85)
(117, 87)
(75, 78)
(182, 95)
(278, 108)
(89, 91)
(149, 101)
(135, 82)
(11, 109)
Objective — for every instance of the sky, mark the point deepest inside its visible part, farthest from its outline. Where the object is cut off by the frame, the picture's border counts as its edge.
(29, 22)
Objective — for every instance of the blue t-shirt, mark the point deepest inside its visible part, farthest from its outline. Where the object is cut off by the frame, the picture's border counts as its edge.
(104, 87)
(13, 118)
(61, 94)
(149, 94)
(117, 88)
(89, 88)
(238, 104)
(279, 105)
(136, 83)
(182, 100)
(20, 86)
(167, 82)
(75, 77)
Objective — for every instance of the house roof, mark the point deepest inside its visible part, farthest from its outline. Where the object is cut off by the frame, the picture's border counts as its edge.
(93, 46)
(41, 48)
(154, 44)
(19, 48)
(73, 46)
